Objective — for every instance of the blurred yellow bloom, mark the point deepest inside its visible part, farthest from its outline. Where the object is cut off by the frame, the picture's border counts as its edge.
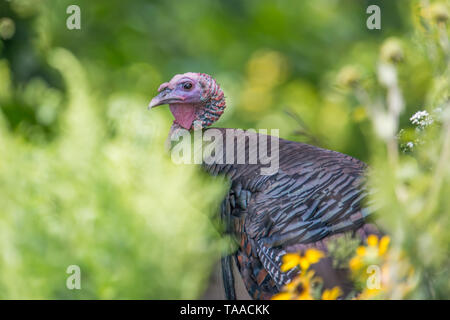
(313, 255)
(374, 247)
(305, 295)
(302, 286)
(306, 285)
(384, 244)
(361, 251)
(368, 294)
(291, 260)
(391, 51)
(395, 277)
(372, 240)
(349, 76)
(332, 294)
(355, 263)
(439, 12)
(283, 296)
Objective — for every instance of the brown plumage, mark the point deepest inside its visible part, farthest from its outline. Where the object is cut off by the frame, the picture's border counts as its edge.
(315, 196)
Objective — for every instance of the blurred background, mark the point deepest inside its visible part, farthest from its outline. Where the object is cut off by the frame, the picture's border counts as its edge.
(85, 180)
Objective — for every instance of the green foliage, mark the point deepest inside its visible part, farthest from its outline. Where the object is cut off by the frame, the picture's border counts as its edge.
(342, 249)
(135, 223)
(411, 188)
(84, 178)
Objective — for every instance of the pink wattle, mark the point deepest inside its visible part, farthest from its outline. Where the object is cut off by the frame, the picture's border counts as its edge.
(184, 114)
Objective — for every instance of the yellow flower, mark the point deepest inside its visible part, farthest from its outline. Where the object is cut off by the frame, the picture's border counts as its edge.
(304, 286)
(384, 244)
(372, 240)
(361, 251)
(373, 249)
(282, 296)
(291, 260)
(332, 294)
(368, 294)
(313, 255)
(439, 12)
(305, 295)
(355, 263)
(391, 51)
(292, 286)
(300, 288)
(349, 76)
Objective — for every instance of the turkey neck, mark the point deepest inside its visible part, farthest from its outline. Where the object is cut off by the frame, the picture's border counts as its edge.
(239, 150)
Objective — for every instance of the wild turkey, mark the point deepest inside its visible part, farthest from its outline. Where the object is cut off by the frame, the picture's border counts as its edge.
(315, 195)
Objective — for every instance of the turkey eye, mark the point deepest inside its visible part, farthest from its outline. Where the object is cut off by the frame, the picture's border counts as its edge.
(187, 85)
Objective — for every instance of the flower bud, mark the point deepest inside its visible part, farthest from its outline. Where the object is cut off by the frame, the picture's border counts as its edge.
(391, 51)
(349, 76)
(439, 12)
(7, 28)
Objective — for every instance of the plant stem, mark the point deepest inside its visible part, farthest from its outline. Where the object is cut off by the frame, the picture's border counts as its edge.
(439, 173)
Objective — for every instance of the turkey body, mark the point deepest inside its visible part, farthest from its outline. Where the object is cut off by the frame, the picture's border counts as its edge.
(314, 196)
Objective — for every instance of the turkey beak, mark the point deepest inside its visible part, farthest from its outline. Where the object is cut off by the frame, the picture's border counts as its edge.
(164, 97)
(158, 100)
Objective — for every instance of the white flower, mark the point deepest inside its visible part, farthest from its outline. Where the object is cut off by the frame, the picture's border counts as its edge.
(421, 119)
(387, 75)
